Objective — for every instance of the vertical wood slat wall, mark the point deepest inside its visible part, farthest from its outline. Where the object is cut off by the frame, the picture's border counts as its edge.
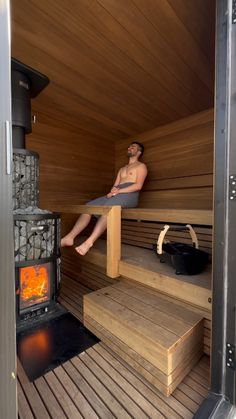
(179, 157)
(74, 167)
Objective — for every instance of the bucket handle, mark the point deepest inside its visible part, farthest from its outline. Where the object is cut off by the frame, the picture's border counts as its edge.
(164, 231)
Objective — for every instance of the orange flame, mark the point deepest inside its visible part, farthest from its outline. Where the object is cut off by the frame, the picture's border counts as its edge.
(34, 282)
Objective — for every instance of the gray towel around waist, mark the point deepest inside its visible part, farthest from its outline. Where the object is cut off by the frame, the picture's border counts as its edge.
(126, 200)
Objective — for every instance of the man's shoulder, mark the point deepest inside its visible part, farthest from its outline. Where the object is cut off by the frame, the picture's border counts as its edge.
(141, 165)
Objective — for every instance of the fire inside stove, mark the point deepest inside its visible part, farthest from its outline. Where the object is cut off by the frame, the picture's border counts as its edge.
(34, 285)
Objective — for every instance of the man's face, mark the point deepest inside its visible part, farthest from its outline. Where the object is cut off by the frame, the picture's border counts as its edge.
(133, 150)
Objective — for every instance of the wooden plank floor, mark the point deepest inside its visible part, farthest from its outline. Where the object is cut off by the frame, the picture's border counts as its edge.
(98, 384)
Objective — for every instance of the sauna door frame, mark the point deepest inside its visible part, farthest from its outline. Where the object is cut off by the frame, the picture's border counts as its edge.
(8, 381)
(223, 390)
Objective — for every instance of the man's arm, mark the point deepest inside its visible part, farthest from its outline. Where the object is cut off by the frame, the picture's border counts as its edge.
(117, 181)
(114, 187)
(137, 186)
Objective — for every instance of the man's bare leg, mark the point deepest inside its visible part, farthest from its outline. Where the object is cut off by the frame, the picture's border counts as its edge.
(80, 225)
(99, 228)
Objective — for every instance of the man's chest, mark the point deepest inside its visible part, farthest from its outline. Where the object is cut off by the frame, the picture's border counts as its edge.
(128, 172)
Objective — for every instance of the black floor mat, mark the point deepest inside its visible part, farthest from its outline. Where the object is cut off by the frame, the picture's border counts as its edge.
(52, 343)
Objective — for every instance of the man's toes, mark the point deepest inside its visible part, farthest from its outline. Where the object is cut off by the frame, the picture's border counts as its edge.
(83, 248)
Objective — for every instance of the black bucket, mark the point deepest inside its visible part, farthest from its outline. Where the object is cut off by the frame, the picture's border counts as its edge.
(185, 259)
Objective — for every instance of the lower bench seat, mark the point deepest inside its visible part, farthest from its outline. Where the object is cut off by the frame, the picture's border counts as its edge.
(158, 338)
(187, 216)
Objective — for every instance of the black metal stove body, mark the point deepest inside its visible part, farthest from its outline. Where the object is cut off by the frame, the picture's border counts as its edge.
(37, 264)
(36, 231)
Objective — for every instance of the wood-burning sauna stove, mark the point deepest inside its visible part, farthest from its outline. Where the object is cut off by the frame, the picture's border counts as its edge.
(36, 231)
(37, 263)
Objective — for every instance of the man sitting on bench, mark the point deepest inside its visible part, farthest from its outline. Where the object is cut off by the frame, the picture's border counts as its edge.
(125, 192)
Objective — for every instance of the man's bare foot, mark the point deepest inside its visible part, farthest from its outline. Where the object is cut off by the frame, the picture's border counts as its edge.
(67, 241)
(84, 247)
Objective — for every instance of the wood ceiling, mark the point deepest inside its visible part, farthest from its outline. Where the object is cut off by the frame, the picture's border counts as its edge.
(118, 67)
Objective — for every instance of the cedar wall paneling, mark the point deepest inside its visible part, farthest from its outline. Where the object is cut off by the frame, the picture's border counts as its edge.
(179, 157)
(118, 67)
(74, 166)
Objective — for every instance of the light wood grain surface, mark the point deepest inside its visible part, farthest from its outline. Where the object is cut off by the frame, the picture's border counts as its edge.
(118, 68)
(179, 157)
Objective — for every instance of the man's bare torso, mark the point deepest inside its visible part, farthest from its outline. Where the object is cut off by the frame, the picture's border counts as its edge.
(129, 172)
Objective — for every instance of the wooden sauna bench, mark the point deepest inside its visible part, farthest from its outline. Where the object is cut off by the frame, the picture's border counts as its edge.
(155, 322)
(157, 337)
(186, 216)
(141, 226)
(143, 266)
(140, 229)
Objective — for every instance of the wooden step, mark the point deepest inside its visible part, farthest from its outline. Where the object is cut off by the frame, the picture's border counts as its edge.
(144, 267)
(161, 337)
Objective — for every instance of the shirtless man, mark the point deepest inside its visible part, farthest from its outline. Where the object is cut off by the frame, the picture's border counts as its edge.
(124, 192)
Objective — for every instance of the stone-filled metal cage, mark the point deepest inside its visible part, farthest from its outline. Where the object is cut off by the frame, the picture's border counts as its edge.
(25, 178)
(36, 236)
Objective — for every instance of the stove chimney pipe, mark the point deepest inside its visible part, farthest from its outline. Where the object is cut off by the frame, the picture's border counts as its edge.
(26, 83)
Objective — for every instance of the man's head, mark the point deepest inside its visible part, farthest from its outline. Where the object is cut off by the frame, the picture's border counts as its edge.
(135, 149)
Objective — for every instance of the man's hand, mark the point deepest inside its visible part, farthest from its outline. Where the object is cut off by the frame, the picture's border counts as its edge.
(114, 191)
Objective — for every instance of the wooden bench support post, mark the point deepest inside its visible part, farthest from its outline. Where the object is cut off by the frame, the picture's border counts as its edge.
(113, 241)
(113, 231)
